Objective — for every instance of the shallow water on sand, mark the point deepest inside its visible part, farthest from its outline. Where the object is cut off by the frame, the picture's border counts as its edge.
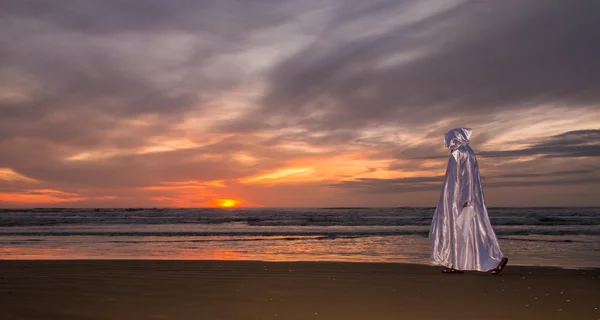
(563, 237)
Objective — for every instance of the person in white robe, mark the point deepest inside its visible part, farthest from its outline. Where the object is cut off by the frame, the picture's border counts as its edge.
(461, 232)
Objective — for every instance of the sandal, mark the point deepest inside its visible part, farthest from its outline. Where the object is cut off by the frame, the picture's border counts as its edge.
(452, 270)
(500, 267)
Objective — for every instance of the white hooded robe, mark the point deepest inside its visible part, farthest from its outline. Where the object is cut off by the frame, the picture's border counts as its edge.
(463, 238)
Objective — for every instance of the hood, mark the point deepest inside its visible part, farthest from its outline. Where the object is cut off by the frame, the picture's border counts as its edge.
(457, 137)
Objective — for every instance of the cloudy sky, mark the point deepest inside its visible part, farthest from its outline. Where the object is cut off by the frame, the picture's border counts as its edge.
(304, 103)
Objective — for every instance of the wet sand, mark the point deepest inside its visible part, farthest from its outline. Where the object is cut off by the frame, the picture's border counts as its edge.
(106, 289)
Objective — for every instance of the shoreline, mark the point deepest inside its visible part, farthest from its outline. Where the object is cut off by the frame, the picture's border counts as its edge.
(154, 259)
(91, 260)
(226, 289)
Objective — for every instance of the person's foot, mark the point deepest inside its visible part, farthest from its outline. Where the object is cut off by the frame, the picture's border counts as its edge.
(500, 266)
(452, 270)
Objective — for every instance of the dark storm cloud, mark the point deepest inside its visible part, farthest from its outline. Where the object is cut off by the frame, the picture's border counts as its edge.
(219, 17)
(39, 36)
(536, 175)
(572, 144)
(480, 57)
(207, 163)
(86, 76)
(417, 184)
(83, 85)
(582, 143)
(75, 72)
(326, 138)
(133, 171)
(517, 54)
(390, 185)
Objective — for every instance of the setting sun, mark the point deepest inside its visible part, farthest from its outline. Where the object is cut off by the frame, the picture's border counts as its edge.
(226, 203)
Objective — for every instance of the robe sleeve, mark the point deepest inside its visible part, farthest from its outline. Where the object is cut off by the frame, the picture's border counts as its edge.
(465, 180)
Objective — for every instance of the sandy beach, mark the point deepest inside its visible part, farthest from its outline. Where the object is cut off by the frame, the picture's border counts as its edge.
(118, 289)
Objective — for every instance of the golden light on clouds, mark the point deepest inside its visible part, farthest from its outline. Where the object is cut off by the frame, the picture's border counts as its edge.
(301, 147)
(245, 158)
(8, 174)
(39, 196)
(284, 175)
(160, 145)
(190, 184)
(337, 168)
(33, 196)
(535, 123)
(165, 145)
(93, 155)
(106, 197)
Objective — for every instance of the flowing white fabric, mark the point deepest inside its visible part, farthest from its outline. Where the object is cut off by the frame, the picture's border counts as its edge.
(463, 238)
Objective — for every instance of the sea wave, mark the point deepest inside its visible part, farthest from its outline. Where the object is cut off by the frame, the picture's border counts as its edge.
(334, 217)
(291, 233)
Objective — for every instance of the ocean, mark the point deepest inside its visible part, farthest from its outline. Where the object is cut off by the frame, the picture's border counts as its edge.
(560, 237)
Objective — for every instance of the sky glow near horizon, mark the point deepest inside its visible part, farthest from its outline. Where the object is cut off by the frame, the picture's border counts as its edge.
(295, 103)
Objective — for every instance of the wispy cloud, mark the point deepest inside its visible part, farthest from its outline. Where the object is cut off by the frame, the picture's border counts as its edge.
(292, 103)
(407, 185)
(581, 143)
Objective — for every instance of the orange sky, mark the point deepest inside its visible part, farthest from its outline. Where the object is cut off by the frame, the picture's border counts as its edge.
(298, 104)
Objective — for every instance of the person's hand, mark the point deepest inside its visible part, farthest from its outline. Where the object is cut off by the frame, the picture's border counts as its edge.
(466, 204)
